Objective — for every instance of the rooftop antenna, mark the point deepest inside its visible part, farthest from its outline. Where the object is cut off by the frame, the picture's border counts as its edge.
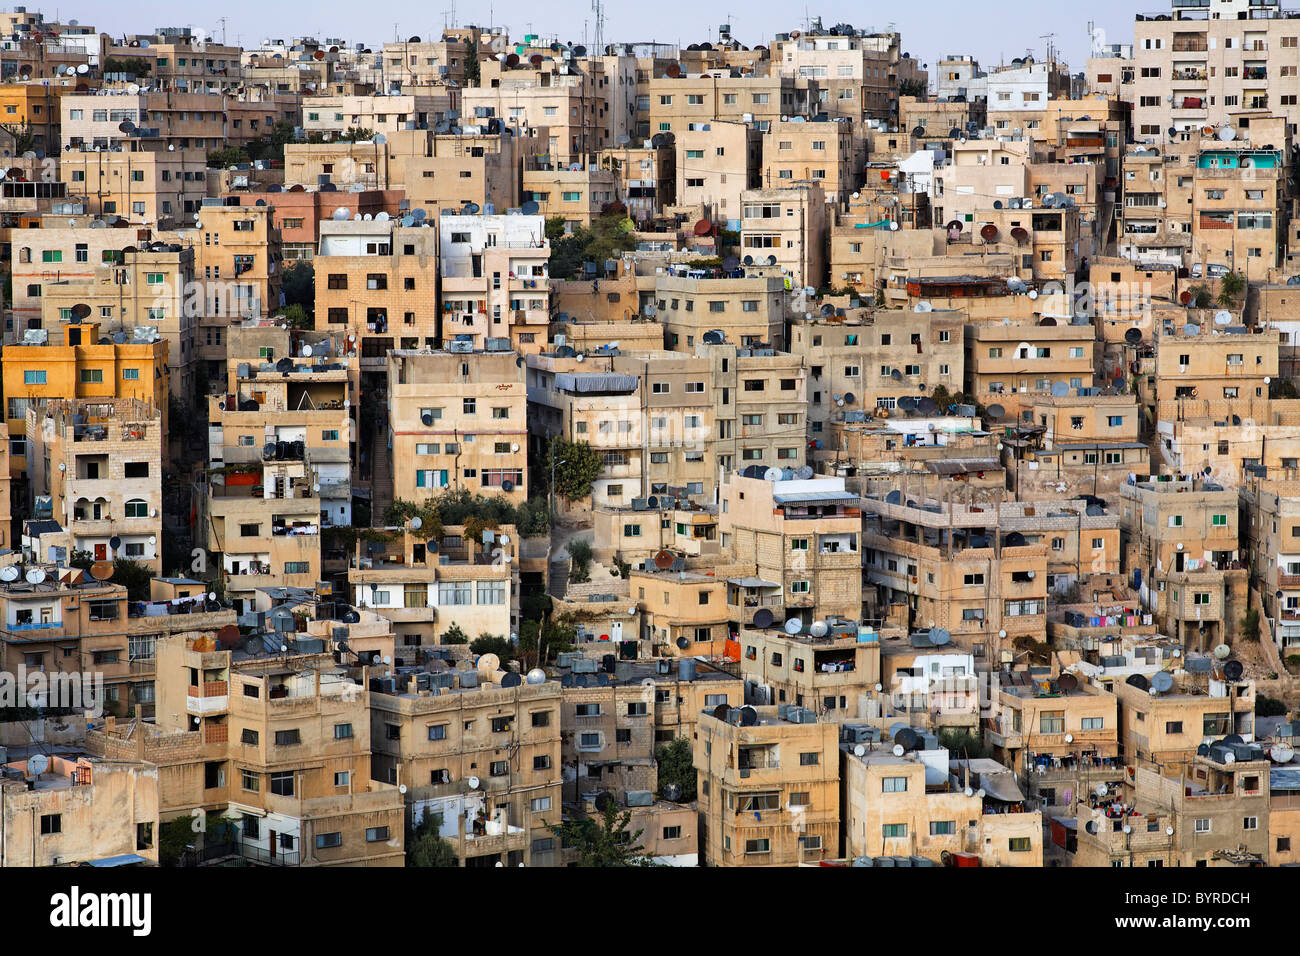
(599, 38)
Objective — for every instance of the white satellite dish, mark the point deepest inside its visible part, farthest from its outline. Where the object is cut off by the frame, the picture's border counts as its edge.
(35, 576)
(859, 750)
(473, 783)
(898, 750)
(10, 573)
(416, 523)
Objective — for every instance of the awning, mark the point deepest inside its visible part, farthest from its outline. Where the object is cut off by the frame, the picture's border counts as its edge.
(126, 859)
(752, 583)
(814, 497)
(595, 382)
(1001, 786)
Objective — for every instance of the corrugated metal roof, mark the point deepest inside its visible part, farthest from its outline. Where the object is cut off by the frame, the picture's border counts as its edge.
(808, 497)
(752, 583)
(961, 466)
(595, 382)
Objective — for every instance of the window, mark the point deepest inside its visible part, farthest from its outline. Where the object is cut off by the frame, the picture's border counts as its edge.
(51, 823)
(1201, 825)
(1250, 823)
(588, 710)
(1091, 723)
(250, 781)
(287, 738)
(893, 785)
(1051, 722)
(248, 736)
(810, 759)
(34, 376)
(342, 731)
(376, 834)
(943, 827)
(342, 778)
(762, 845)
(1173, 726)
(539, 804)
(325, 841)
(892, 831)
(282, 783)
(499, 768)
(1018, 844)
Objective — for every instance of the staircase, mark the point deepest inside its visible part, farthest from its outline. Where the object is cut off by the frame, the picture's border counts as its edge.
(381, 477)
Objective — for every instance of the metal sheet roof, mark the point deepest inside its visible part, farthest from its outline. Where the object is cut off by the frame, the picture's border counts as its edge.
(752, 583)
(595, 382)
(810, 497)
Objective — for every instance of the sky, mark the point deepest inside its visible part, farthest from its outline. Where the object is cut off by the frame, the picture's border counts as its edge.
(992, 32)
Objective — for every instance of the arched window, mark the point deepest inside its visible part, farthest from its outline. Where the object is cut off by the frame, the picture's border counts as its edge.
(137, 508)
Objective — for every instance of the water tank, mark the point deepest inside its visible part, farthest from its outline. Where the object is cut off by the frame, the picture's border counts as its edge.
(686, 669)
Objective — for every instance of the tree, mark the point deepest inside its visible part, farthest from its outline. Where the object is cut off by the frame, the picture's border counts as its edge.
(472, 72)
(1250, 626)
(81, 559)
(226, 156)
(609, 236)
(577, 465)
(541, 641)
(134, 576)
(135, 66)
(400, 511)
(676, 765)
(606, 842)
(454, 635)
(173, 837)
(355, 134)
(916, 88)
(1266, 706)
(1201, 297)
(296, 316)
(270, 145)
(580, 552)
(299, 286)
(492, 644)
(24, 138)
(426, 847)
(963, 744)
(1231, 288)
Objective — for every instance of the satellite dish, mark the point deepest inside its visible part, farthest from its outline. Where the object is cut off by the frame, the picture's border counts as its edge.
(100, 571)
(10, 572)
(473, 782)
(995, 411)
(1133, 336)
(772, 474)
(1223, 317)
(1223, 652)
(664, 560)
(763, 618)
(37, 764)
(417, 523)
(939, 636)
(1233, 670)
(1102, 790)
(818, 628)
(1226, 134)
(1060, 389)
(35, 576)
(793, 626)
(859, 750)
(1162, 682)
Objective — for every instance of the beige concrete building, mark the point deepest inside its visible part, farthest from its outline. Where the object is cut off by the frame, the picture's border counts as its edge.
(100, 462)
(830, 674)
(683, 613)
(801, 535)
(483, 756)
(1166, 728)
(790, 223)
(915, 805)
(1028, 358)
(718, 162)
(578, 196)
(475, 405)
(143, 184)
(820, 153)
(749, 310)
(756, 779)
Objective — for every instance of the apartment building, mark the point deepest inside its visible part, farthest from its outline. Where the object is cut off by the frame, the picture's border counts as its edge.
(769, 786)
(932, 686)
(790, 223)
(147, 293)
(481, 750)
(180, 60)
(1181, 539)
(870, 360)
(492, 273)
(683, 613)
(1216, 65)
(141, 182)
(1029, 358)
(1044, 720)
(79, 810)
(675, 100)
(1166, 727)
(1272, 507)
(821, 153)
(331, 115)
(638, 533)
(1215, 815)
(578, 196)
(829, 673)
(82, 365)
(612, 742)
(425, 584)
(279, 743)
(921, 804)
(1209, 358)
(682, 691)
(567, 104)
(645, 179)
(1090, 443)
(718, 162)
(749, 310)
(34, 106)
(100, 463)
(368, 273)
(475, 405)
(802, 535)
(430, 62)
(285, 399)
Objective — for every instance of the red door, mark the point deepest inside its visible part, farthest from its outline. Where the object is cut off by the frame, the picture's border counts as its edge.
(101, 552)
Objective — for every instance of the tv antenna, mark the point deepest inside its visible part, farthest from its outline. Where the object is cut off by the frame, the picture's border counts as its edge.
(598, 41)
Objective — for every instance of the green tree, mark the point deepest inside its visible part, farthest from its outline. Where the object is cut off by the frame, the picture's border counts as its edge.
(226, 157)
(1266, 706)
(454, 635)
(1201, 297)
(296, 316)
(542, 640)
(136, 66)
(173, 837)
(472, 72)
(270, 146)
(606, 842)
(1231, 287)
(81, 559)
(577, 465)
(915, 88)
(580, 553)
(1250, 626)
(676, 765)
(24, 138)
(299, 286)
(355, 134)
(134, 576)
(425, 847)
(962, 744)
(400, 511)
(492, 644)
